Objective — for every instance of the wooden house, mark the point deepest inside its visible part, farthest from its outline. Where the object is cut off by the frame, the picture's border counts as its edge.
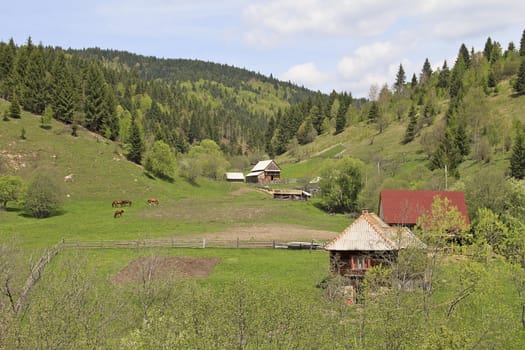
(404, 207)
(234, 177)
(265, 171)
(367, 242)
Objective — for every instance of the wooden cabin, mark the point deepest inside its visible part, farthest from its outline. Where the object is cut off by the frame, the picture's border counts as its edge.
(404, 207)
(265, 171)
(367, 242)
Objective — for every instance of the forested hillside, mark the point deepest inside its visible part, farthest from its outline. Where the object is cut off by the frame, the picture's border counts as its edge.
(179, 102)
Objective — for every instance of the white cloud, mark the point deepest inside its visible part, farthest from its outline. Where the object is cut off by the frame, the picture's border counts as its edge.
(306, 74)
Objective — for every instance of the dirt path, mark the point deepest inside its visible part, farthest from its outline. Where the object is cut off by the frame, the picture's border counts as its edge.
(265, 232)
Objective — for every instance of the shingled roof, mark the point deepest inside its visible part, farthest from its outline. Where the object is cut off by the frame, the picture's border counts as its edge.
(404, 207)
(369, 233)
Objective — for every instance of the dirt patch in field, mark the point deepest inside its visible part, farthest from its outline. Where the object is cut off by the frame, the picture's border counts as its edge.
(163, 267)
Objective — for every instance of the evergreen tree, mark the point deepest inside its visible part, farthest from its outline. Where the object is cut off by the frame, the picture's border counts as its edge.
(7, 62)
(306, 132)
(340, 120)
(487, 51)
(517, 159)
(412, 125)
(135, 141)
(444, 76)
(63, 97)
(463, 56)
(268, 136)
(35, 85)
(519, 84)
(426, 72)
(400, 79)
(461, 139)
(110, 123)
(14, 108)
(95, 98)
(522, 44)
(447, 153)
(413, 83)
(373, 112)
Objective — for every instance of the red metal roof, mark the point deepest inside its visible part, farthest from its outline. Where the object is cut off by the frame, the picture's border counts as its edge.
(404, 207)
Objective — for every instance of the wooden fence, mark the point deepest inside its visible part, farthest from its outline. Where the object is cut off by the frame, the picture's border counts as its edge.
(187, 243)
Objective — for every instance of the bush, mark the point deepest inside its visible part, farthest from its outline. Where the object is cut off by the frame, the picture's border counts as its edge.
(44, 195)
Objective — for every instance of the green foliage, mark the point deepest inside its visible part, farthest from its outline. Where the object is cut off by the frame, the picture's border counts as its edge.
(44, 195)
(11, 189)
(517, 159)
(135, 142)
(209, 159)
(411, 127)
(340, 184)
(519, 84)
(444, 221)
(161, 161)
(400, 80)
(14, 109)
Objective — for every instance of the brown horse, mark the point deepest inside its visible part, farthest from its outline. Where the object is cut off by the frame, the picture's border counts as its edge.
(152, 201)
(118, 213)
(126, 202)
(116, 203)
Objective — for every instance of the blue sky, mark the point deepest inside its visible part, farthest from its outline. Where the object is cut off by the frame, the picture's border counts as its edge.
(342, 45)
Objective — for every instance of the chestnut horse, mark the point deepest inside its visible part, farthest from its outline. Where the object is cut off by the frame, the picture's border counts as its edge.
(152, 201)
(125, 202)
(118, 213)
(116, 203)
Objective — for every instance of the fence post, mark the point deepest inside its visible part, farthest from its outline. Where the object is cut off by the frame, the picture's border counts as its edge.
(273, 244)
(203, 243)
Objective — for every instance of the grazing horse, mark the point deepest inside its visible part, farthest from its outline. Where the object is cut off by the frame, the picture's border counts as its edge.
(152, 201)
(118, 213)
(116, 203)
(125, 202)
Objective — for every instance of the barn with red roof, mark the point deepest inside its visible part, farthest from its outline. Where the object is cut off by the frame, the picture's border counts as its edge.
(404, 207)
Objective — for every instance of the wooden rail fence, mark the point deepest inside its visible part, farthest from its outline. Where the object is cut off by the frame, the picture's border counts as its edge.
(187, 243)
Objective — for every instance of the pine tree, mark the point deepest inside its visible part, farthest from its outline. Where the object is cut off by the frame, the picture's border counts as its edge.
(400, 80)
(268, 136)
(519, 84)
(14, 108)
(7, 63)
(522, 44)
(461, 139)
(517, 159)
(444, 76)
(135, 142)
(426, 72)
(95, 95)
(463, 56)
(412, 125)
(413, 83)
(487, 51)
(63, 97)
(447, 153)
(340, 120)
(35, 85)
(373, 112)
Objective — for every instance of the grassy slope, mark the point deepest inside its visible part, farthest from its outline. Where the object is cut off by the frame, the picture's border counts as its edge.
(102, 174)
(362, 141)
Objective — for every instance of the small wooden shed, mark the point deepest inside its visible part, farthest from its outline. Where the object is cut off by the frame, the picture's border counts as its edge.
(265, 171)
(234, 177)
